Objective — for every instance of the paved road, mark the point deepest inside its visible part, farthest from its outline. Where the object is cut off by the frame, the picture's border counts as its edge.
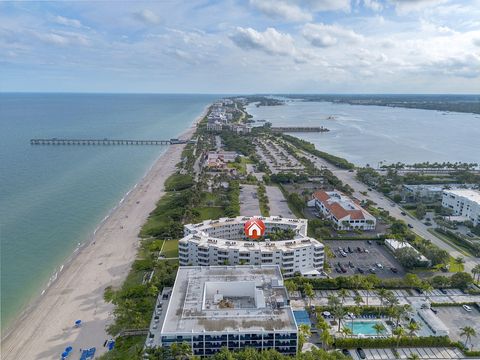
(395, 211)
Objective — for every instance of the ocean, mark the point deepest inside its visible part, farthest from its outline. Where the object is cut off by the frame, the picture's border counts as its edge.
(374, 134)
(53, 197)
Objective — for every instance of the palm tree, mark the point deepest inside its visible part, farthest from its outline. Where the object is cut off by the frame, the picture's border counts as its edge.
(382, 295)
(327, 339)
(367, 285)
(339, 312)
(412, 328)
(358, 300)
(468, 332)
(342, 294)
(346, 331)
(459, 260)
(399, 332)
(309, 293)
(181, 351)
(413, 356)
(476, 272)
(304, 334)
(333, 301)
(379, 328)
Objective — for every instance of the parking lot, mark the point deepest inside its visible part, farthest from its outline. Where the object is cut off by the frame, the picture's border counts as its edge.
(440, 353)
(456, 317)
(249, 205)
(362, 257)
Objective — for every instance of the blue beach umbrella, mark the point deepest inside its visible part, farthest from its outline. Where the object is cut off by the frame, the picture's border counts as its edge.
(78, 322)
(68, 349)
(64, 354)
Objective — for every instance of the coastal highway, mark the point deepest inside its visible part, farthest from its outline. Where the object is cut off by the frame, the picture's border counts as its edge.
(418, 227)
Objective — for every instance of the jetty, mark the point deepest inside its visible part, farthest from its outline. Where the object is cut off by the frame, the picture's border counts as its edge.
(283, 129)
(61, 141)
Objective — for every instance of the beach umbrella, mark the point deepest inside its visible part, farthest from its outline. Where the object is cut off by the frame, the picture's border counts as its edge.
(78, 322)
(68, 349)
(64, 354)
(326, 313)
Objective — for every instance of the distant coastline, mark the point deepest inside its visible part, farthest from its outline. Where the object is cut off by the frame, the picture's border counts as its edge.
(447, 103)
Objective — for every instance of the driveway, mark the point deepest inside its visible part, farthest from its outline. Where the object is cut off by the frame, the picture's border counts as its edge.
(277, 202)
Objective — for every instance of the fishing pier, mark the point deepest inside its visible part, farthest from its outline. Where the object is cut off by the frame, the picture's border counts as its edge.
(57, 141)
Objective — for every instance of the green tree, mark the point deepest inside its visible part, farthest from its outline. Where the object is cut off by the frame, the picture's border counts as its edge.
(379, 328)
(309, 293)
(346, 331)
(181, 351)
(413, 356)
(413, 327)
(399, 332)
(476, 272)
(468, 332)
(342, 294)
(461, 280)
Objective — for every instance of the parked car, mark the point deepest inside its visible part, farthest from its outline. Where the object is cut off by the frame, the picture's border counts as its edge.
(467, 308)
(403, 213)
(370, 242)
(360, 270)
(369, 189)
(394, 270)
(361, 353)
(410, 226)
(372, 270)
(380, 266)
(443, 291)
(435, 311)
(345, 352)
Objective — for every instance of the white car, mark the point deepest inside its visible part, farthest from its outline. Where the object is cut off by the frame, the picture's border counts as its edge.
(380, 266)
(467, 308)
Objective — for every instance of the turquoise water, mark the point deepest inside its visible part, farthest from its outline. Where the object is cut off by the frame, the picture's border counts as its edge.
(301, 316)
(53, 197)
(362, 327)
(370, 134)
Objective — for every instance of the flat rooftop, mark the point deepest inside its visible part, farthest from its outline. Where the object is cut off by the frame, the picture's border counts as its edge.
(228, 299)
(473, 195)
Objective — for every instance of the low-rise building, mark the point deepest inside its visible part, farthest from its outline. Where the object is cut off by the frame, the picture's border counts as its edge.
(217, 242)
(231, 307)
(464, 203)
(343, 211)
(393, 245)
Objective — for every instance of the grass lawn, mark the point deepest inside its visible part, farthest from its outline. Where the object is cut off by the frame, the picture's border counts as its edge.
(455, 267)
(451, 242)
(170, 248)
(241, 166)
(211, 213)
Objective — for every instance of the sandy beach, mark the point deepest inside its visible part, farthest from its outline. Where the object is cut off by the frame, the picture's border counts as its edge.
(46, 327)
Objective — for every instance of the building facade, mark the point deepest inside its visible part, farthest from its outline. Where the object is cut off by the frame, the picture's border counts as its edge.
(343, 211)
(229, 306)
(220, 242)
(464, 203)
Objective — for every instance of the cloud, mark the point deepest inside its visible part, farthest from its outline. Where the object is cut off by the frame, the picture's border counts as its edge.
(476, 42)
(68, 22)
(322, 35)
(62, 38)
(373, 5)
(328, 5)
(281, 9)
(404, 7)
(270, 41)
(147, 16)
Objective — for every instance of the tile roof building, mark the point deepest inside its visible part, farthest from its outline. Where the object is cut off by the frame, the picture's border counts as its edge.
(343, 211)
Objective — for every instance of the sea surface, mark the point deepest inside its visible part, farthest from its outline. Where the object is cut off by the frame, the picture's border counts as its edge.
(374, 134)
(53, 197)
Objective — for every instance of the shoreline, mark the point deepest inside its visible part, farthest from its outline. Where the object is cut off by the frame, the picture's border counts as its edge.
(30, 332)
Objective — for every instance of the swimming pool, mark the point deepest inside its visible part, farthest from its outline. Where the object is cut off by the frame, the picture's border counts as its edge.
(301, 317)
(365, 327)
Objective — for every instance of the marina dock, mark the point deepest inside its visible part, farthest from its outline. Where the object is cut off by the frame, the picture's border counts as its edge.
(285, 129)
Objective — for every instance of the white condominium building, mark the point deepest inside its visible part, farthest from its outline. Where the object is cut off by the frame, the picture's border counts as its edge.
(222, 242)
(343, 211)
(233, 307)
(464, 203)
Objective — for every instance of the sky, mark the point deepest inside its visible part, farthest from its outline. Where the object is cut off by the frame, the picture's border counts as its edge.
(241, 46)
